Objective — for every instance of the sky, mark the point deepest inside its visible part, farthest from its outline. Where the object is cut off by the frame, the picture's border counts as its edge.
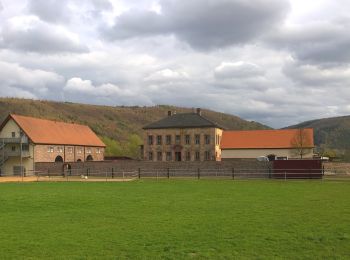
(277, 62)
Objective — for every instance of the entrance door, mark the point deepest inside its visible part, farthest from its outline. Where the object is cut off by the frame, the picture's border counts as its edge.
(178, 156)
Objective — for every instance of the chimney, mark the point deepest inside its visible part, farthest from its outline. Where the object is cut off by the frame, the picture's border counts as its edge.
(199, 112)
(169, 113)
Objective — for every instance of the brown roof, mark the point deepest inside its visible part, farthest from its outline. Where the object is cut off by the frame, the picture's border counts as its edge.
(42, 131)
(260, 139)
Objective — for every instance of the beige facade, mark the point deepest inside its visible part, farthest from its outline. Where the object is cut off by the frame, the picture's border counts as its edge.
(182, 144)
(13, 158)
(254, 153)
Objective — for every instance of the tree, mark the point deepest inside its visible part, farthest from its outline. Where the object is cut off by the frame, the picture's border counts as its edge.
(301, 143)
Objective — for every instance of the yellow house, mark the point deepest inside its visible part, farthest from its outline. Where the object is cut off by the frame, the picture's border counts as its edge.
(25, 141)
(182, 137)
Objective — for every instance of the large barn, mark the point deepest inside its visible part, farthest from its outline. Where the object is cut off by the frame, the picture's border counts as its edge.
(288, 143)
(25, 141)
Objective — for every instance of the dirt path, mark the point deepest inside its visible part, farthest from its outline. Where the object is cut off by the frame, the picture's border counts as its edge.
(59, 179)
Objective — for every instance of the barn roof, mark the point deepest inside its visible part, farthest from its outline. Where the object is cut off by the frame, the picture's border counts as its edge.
(263, 139)
(185, 120)
(41, 131)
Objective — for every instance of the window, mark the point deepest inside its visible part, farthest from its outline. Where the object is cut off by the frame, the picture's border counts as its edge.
(13, 148)
(88, 150)
(168, 139)
(98, 150)
(59, 149)
(159, 156)
(207, 155)
(187, 139)
(168, 156)
(80, 150)
(197, 156)
(25, 147)
(150, 139)
(13, 134)
(177, 139)
(207, 139)
(50, 149)
(188, 156)
(70, 149)
(159, 140)
(150, 156)
(197, 139)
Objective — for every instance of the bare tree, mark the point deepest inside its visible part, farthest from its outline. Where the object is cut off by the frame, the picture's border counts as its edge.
(301, 143)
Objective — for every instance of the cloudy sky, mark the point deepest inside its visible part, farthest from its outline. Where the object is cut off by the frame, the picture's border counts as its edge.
(277, 62)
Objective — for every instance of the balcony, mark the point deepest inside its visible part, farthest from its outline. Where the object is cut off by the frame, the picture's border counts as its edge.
(15, 140)
(17, 153)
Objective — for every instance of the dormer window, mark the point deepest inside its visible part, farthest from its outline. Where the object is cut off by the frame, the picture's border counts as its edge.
(13, 134)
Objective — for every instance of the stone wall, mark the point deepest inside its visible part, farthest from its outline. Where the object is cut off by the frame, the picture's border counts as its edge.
(152, 168)
(337, 168)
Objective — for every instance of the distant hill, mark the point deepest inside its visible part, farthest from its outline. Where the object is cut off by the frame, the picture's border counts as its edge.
(330, 133)
(120, 127)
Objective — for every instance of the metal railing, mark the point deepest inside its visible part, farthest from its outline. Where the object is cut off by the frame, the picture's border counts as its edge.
(10, 140)
(118, 174)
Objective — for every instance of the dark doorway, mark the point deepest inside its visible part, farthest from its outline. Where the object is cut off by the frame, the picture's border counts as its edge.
(68, 169)
(79, 160)
(89, 158)
(178, 156)
(59, 159)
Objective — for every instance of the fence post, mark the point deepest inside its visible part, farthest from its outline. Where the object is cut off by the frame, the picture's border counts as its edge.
(285, 175)
(198, 173)
(168, 173)
(233, 173)
(139, 173)
(322, 172)
(112, 173)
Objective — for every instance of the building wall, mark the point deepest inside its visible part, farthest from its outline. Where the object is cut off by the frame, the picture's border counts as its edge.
(254, 153)
(182, 147)
(69, 153)
(10, 127)
(12, 161)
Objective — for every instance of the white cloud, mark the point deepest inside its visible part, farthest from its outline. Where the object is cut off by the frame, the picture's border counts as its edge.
(238, 69)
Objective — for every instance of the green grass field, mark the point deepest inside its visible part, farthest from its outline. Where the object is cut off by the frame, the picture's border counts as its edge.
(216, 219)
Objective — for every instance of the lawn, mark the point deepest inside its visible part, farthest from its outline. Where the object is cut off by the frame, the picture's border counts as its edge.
(176, 219)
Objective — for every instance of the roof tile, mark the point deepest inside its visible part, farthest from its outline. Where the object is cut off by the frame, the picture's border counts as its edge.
(42, 131)
(255, 139)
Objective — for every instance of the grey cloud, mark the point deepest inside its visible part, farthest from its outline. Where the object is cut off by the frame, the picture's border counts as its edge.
(318, 43)
(49, 10)
(33, 35)
(203, 24)
(28, 82)
(63, 10)
(316, 76)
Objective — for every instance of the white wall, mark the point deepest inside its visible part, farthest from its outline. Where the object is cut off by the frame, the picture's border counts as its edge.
(254, 153)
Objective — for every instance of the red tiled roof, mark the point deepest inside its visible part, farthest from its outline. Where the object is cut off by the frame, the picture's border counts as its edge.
(42, 131)
(260, 139)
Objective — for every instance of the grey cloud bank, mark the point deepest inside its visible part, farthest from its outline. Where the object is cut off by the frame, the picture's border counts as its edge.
(263, 60)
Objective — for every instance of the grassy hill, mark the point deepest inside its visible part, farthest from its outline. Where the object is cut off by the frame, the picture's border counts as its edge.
(120, 127)
(331, 134)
